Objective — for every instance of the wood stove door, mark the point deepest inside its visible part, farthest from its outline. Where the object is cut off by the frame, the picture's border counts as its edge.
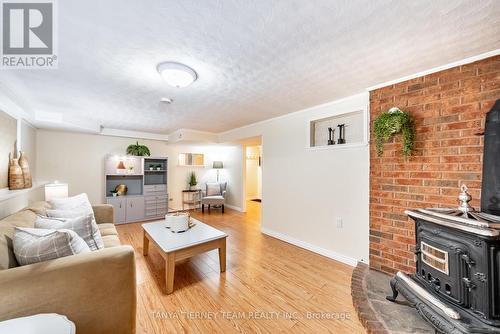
(442, 266)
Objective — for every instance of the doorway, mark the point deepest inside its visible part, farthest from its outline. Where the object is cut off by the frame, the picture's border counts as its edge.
(252, 174)
(253, 177)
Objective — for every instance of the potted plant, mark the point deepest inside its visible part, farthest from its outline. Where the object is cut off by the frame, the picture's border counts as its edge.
(138, 150)
(192, 180)
(114, 193)
(390, 123)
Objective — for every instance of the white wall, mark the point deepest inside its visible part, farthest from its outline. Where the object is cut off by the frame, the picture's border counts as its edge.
(305, 191)
(78, 159)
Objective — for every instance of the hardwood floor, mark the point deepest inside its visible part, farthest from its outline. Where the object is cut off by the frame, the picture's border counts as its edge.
(269, 285)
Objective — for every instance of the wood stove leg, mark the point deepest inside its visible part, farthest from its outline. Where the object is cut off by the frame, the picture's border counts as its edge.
(394, 291)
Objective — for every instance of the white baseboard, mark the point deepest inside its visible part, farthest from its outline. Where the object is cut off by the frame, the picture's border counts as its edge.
(315, 249)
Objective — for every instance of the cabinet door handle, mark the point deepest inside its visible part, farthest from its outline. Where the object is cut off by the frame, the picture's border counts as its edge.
(131, 204)
(120, 205)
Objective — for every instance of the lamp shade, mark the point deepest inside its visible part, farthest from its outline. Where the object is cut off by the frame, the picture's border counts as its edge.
(56, 190)
(218, 165)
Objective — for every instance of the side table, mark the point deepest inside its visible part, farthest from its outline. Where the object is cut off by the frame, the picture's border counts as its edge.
(191, 198)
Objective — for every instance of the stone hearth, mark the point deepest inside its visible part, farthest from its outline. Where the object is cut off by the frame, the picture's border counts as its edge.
(378, 315)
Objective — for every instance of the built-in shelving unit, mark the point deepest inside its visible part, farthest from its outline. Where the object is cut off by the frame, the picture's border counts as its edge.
(146, 181)
(355, 130)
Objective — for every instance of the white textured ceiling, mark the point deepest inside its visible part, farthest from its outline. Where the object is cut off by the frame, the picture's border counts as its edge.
(255, 59)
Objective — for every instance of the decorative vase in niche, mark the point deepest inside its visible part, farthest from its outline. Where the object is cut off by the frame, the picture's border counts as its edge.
(16, 179)
(25, 167)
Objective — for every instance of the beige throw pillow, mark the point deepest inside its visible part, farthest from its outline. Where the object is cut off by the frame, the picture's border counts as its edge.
(73, 214)
(33, 245)
(83, 226)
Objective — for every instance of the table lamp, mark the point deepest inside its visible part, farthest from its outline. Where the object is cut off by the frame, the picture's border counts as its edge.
(217, 165)
(56, 190)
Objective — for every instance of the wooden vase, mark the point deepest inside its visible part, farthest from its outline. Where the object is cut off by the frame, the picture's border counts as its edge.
(25, 167)
(16, 179)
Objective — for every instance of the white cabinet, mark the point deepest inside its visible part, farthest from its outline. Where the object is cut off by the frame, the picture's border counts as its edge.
(145, 179)
(120, 205)
(123, 165)
(156, 206)
(135, 209)
(127, 209)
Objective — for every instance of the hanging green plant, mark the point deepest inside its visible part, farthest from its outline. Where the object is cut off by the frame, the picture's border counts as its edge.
(138, 150)
(390, 123)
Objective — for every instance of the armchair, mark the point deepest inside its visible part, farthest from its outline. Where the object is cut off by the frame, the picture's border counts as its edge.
(215, 195)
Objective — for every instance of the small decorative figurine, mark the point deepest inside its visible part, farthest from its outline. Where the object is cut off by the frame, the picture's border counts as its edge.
(341, 139)
(331, 135)
(464, 199)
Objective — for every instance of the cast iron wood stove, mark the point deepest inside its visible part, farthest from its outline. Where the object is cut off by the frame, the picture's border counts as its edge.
(456, 286)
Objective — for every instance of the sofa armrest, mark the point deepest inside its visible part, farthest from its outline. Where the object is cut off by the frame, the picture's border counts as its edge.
(97, 290)
(104, 213)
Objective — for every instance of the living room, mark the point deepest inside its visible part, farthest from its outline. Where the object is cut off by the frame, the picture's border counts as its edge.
(326, 167)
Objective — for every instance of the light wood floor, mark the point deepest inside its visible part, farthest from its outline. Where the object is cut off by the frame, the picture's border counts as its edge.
(269, 286)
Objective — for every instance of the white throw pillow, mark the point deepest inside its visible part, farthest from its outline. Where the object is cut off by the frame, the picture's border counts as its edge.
(213, 189)
(73, 207)
(83, 226)
(75, 213)
(68, 203)
(33, 245)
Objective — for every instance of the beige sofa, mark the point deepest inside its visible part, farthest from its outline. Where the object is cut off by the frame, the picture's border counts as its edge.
(95, 290)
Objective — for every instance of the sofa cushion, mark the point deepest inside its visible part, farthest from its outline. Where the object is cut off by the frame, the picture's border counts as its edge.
(213, 200)
(78, 212)
(107, 229)
(111, 241)
(24, 218)
(33, 245)
(81, 225)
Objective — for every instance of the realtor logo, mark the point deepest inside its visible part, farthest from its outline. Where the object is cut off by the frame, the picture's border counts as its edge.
(28, 35)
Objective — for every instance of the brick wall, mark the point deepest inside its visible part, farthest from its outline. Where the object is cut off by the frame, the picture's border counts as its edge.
(449, 109)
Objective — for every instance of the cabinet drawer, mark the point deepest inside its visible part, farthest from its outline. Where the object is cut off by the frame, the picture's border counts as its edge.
(156, 188)
(150, 212)
(161, 207)
(150, 199)
(161, 200)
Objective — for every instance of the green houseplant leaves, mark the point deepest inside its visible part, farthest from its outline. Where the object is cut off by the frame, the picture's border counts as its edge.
(138, 150)
(192, 181)
(390, 123)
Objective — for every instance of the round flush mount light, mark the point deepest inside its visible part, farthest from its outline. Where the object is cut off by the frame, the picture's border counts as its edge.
(166, 100)
(177, 74)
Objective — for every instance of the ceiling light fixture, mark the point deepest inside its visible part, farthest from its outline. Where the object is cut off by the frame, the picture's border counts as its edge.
(177, 74)
(166, 100)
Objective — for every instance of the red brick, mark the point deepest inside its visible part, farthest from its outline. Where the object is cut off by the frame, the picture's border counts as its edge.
(449, 109)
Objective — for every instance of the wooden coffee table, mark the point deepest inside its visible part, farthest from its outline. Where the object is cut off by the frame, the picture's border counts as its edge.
(179, 246)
